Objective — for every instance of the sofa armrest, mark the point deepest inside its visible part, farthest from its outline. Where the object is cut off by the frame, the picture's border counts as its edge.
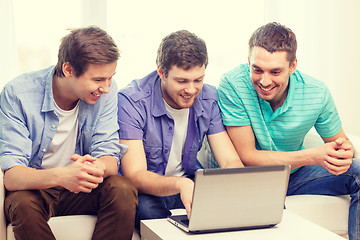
(2, 215)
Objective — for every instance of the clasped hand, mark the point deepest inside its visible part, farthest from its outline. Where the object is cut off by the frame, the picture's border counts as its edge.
(338, 156)
(83, 175)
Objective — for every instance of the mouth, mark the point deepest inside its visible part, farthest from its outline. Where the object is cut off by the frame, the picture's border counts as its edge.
(266, 90)
(187, 97)
(95, 94)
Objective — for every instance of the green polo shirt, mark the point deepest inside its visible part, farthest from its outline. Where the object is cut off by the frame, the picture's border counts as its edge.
(309, 103)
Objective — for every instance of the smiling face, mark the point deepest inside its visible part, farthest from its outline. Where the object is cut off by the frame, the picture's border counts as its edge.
(181, 87)
(88, 87)
(269, 74)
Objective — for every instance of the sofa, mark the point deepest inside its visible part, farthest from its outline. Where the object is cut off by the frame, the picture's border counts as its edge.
(330, 212)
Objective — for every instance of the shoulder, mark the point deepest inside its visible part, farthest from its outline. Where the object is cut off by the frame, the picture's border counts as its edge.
(140, 88)
(308, 88)
(208, 92)
(308, 82)
(237, 79)
(29, 83)
(240, 72)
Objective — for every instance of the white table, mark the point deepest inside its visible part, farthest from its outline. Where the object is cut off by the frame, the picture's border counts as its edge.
(291, 227)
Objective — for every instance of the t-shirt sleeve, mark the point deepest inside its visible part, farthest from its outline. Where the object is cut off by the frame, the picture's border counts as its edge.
(231, 104)
(328, 123)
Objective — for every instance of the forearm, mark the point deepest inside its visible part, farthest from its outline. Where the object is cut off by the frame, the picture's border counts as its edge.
(295, 158)
(157, 185)
(26, 178)
(111, 166)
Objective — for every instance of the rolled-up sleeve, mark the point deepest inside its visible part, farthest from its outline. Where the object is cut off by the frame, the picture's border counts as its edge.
(15, 145)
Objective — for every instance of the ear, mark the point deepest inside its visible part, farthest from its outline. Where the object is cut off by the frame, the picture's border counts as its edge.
(67, 69)
(293, 66)
(161, 73)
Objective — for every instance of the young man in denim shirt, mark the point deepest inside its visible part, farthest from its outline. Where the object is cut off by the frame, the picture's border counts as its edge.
(59, 145)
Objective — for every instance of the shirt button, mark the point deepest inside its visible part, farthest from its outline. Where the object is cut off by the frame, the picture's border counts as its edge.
(166, 151)
(44, 150)
(170, 128)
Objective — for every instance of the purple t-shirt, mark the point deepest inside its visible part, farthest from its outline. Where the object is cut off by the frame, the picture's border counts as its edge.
(142, 115)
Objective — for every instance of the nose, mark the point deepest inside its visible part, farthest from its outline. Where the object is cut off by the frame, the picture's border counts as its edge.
(190, 88)
(265, 80)
(104, 88)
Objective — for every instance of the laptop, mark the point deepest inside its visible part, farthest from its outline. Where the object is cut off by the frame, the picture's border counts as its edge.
(236, 199)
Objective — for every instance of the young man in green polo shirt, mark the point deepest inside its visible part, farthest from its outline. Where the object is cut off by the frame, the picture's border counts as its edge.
(268, 107)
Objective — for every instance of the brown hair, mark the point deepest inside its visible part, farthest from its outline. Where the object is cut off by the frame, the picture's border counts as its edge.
(274, 37)
(84, 46)
(182, 49)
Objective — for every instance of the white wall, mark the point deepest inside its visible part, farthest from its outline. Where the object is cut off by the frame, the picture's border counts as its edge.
(328, 34)
(8, 50)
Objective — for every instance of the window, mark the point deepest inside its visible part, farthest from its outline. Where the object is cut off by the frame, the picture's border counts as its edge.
(39, 26)
(138, 27)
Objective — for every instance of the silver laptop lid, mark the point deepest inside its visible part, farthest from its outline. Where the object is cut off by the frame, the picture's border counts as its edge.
(239, 197)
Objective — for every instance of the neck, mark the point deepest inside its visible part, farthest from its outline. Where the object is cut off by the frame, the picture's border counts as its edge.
(276, 104)
(61, 94)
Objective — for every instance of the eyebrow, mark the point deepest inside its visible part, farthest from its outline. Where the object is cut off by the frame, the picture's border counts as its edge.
(98, 77)
(180, 78)
(273, 69)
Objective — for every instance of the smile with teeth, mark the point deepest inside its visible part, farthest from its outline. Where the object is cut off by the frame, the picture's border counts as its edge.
(265, 89)
(96, 95)
(186, 96)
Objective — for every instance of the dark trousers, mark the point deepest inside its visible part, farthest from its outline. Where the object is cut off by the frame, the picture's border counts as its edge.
(114, 202)
(153, 207)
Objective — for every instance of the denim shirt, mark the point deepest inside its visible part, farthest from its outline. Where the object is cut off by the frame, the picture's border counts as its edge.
(142, 115)
(28, 122)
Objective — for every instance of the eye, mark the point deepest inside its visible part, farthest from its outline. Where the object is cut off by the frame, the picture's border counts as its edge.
(257, 70)
(275, 72)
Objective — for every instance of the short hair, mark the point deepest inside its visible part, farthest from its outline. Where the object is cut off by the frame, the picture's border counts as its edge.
(274, 37)
(84, 46)
(182, 49)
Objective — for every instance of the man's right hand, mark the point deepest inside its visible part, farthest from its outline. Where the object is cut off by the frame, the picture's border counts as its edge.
(82, 175)
(186, 188)
(334, 157)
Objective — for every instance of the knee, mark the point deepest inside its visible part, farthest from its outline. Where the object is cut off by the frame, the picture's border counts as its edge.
(120, 187)
(151, 207)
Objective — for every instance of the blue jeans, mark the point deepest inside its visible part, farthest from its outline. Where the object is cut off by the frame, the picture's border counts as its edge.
(153, 207)
(314, 179)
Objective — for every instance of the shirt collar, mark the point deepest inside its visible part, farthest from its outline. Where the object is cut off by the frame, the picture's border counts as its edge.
(48, 103)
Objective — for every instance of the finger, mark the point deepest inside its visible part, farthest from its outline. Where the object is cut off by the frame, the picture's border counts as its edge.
(341, 154)
(75, 157)
(338, 161)
(337, 170)
(340, 141)
(83, 159)
(93, 170)
(188, 210)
